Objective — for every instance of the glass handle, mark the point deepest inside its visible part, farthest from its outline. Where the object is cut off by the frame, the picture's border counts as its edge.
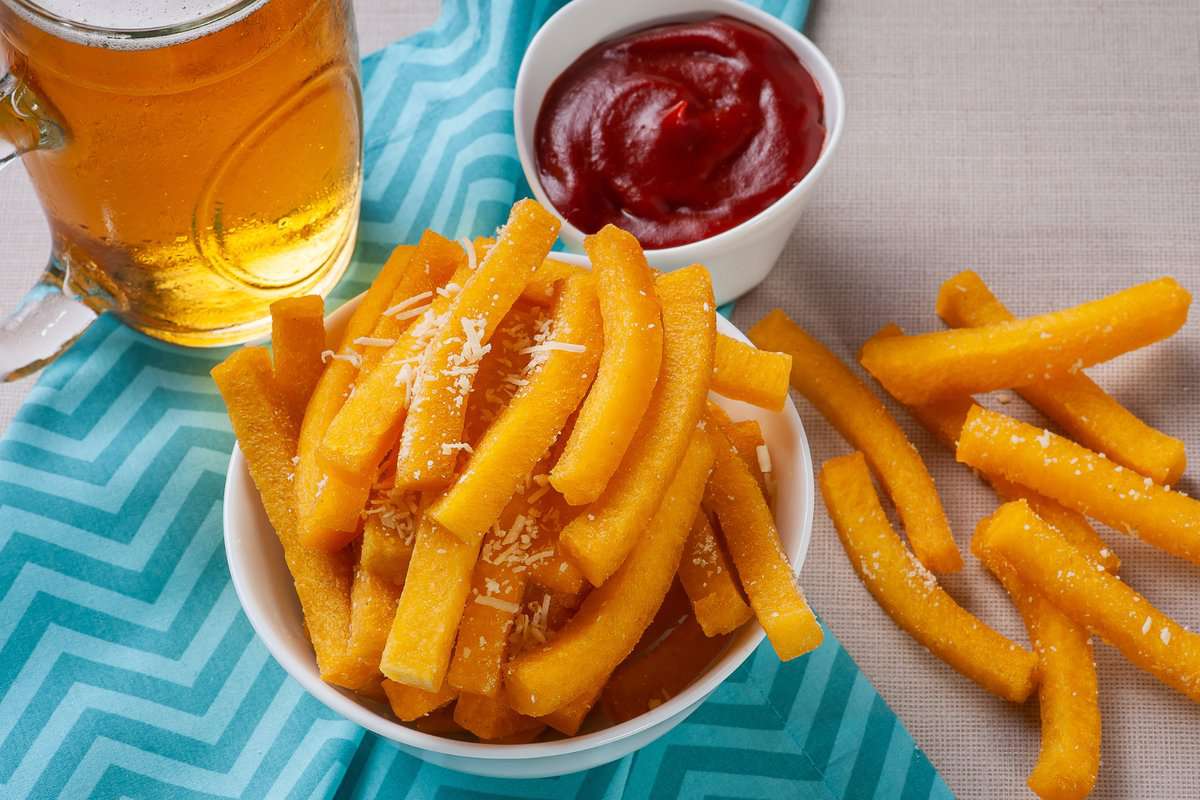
(51, 316)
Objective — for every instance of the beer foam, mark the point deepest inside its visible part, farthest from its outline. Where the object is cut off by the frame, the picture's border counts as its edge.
(119, 18)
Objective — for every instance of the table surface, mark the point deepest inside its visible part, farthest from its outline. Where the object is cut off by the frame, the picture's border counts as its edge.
(1050, 146)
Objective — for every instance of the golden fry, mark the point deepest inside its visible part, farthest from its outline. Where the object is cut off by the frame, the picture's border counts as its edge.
(708, 578)
(1086, 412)
(1081, 480)
(297, 341)
(910, 594)
(410, 703)
(743, 372)
(918, 369)
(863, 421)
(1093, 598)
(372, 606)
(599, 538)
(491, 718)
(629, 366)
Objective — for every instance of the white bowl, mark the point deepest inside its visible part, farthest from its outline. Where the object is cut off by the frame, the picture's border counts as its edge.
(741, 257)
(264, 588)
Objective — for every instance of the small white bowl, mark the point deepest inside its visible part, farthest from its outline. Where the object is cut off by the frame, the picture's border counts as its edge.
(738, 258)
(265, 590)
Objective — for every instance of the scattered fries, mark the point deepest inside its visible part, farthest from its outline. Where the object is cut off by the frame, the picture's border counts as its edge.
(910, 594)
(918, 369)
(743, 372)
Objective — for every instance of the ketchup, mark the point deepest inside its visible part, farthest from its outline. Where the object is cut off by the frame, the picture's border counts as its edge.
(678, 132)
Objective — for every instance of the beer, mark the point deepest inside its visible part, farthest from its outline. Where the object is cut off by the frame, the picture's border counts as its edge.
(204, 157)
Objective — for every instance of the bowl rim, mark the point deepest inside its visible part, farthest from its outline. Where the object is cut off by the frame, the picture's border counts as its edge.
(345, 704)
(828, 83)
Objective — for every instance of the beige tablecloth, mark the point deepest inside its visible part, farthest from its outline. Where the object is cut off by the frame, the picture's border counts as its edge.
(1053, 147)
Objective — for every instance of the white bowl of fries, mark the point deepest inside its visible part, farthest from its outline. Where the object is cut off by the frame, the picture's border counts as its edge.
(268, 595)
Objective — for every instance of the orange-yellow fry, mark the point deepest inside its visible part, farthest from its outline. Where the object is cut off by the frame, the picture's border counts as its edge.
(569, 718)
(910, 594)
(629, 366)
(648, 680)
(372, 606)
(1069, 759)
(599, 539)
(743, 372)
(438, 723)
(707, 577)
(865, 423)
(437, 409)
(526, 429)
(753, 542)
(543, 284)
(491, 718)
(917, 369)
(388, 538)
(747, 438)
(430, 608)
(945, 418)
(266, 433)
(297, 341)
(1086, 412)
(481, 649)
(1077, 478)
(410, 703)
(609, 623)
(1093, 598)
(328, 517)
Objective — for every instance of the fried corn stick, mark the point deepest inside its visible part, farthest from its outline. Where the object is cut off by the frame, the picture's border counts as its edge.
(613, 617)
(266, 433)
(437, 409)
(1093, 598)
(945, 418)
(568, 719)
(747, 438)
(743, 372)
(437, 723)
(430, 608)
(372, 606)
(410, 703)
(297, 341)
(1069, 759)
(708, 578)
(910, 594)
(325, 504)
(757, 552)
(918, 369)
(543, 284)
(1081, 480)
(599, 539)
(491, 718)
(629, 367)
(865, 423)
(560, 370)
(388, 535)
(647, 680)
(1086, 412)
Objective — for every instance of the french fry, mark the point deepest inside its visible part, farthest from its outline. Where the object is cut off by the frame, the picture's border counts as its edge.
(709, 580)
(918, 369)
(501, 370)
(747, 438)
(743, 372)
(543, 284)
(560, 370)
(865, 423)
(945, 419)
(430, 608)
(629, 367)
(1093, 598)
(410, 703)
(647, 680)
(388, 535)
(599, 539)
(1079, 479)
(491, 718)
(437, 723)
(910, 594)
(327, 507)
(1069, 759)
(267, 435)
(437, 409)
(613, 617)
(297, 341)
(372, 606)
(569, 718)
(1087, 413)
(753, 541)
(497, 588)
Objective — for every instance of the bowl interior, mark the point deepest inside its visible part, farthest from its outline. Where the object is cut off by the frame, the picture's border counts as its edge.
(265, 590)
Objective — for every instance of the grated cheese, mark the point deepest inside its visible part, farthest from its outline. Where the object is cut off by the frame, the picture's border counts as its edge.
(374, 341)
(764, 458)
(498, 604)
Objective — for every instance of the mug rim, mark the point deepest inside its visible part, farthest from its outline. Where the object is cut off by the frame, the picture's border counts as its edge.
(59, 22)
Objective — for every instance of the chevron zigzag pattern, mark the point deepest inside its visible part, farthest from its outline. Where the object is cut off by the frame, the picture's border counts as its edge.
(126, 666)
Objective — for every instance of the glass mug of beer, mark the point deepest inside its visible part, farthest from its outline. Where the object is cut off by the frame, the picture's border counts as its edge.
(196, 159)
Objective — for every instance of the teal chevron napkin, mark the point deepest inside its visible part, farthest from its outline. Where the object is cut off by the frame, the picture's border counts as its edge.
(126, 666)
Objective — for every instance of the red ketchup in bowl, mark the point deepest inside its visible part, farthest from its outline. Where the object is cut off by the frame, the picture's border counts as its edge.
(678, 132)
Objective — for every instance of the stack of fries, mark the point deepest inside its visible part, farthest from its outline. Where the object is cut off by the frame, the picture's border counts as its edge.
(486, 489)
(1059, 573)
